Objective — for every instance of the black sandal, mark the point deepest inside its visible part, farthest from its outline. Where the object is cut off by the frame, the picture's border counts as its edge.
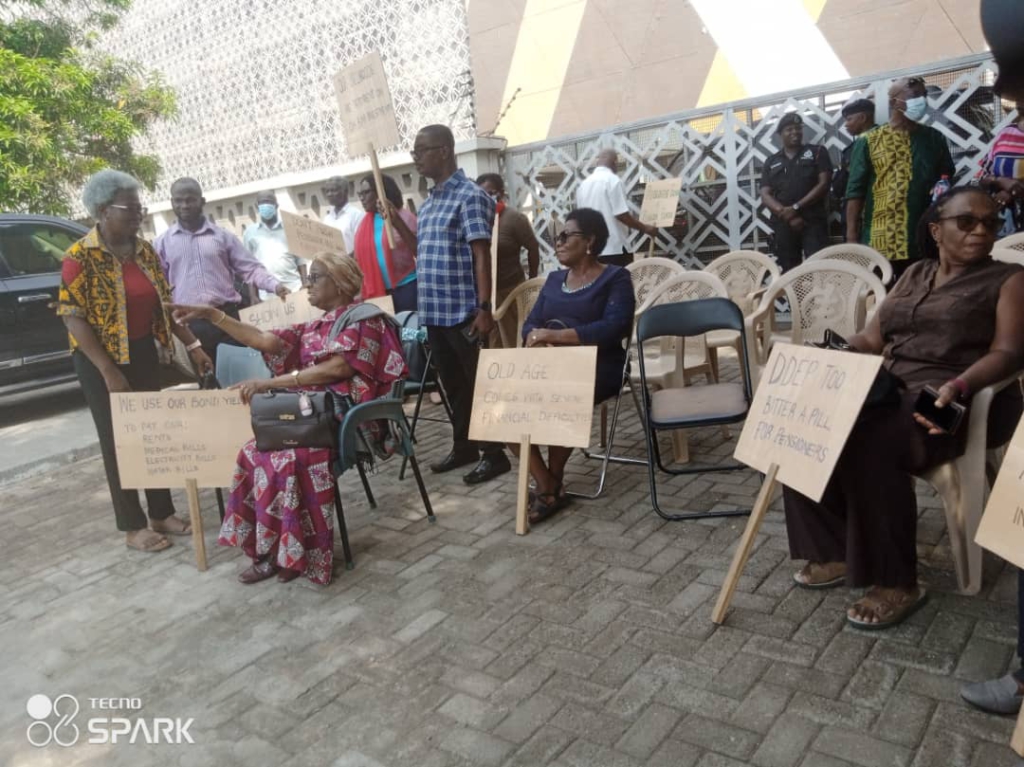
(542, 509)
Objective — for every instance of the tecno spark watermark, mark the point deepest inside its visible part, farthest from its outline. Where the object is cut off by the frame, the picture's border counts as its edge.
(53, 721)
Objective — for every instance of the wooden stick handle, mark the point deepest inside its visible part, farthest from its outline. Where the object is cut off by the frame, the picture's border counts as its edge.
(196, 520)
(522, 520)
(378, 181)
(1017, 741)
(746, 543)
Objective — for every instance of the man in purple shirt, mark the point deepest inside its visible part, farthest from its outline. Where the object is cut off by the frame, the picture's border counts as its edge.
(201, 261)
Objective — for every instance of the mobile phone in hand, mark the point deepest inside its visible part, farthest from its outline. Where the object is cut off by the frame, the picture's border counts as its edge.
(947, 418)
(469, 333)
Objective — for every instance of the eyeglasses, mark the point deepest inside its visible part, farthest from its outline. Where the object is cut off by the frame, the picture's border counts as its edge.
(967, 222)
(418, 153)
(314, 277)
(563, 237)
(363, 193)
(137, 210)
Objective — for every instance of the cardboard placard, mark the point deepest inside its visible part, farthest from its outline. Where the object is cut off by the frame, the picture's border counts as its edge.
(306, 237)
(367, 113)
(546, 393)
(803, 411)
(165, 438)
(1002, 526)
(661, 200)
(384, 302)
(274, 313)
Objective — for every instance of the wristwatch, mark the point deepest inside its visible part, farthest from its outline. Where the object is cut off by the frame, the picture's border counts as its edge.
(295, 377)
(795, 206)
(197, 344)
(485, 306)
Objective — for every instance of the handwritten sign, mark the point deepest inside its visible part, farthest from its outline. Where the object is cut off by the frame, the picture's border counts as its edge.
(383, 302)
(547, 393)
(661, 198)
(803, 411)
(307, 237)
(1002, 526)
(165, 438)
(367, 113)
(274, 313)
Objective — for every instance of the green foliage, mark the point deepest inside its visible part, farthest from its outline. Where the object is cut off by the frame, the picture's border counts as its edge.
(67, 109)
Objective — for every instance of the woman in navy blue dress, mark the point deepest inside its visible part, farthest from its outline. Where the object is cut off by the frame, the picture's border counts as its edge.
(586, 304)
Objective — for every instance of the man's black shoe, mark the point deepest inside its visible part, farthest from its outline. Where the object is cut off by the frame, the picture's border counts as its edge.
(455, 460)
(490, 466)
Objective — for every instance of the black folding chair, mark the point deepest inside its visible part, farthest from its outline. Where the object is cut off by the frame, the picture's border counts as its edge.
(351, 444)
(423, 378)
(691, 406)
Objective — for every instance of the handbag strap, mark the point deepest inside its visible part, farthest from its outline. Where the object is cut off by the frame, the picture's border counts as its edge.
(360, 313)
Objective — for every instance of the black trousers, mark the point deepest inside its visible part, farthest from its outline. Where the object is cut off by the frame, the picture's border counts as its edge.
(456, 359)
(143, 373)
(791, 247)
(212, 336)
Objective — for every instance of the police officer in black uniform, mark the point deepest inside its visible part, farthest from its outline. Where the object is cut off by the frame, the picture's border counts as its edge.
(794, 186)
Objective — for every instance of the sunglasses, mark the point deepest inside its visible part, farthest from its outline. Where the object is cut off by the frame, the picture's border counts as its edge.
(563, 237)
(418, 153)
(314, 277)
(967, 222)
(134, 210)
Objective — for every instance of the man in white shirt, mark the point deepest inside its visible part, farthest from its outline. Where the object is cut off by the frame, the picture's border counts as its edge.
(342, 214)
(602, 190)
(265, 239)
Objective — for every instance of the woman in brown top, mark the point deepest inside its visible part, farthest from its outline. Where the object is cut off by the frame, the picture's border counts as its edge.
(955, 320)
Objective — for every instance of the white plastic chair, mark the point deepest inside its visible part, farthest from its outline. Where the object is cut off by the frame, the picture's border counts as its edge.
(745, 273)
(523, 297)
(1008, 255)
(648, 273)
(823, 295)
(1012, 241)
(860, 255)
(963, 484)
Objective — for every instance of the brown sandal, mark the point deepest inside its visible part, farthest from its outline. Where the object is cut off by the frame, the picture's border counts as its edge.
(821, 575)
(150, 544)
(890, 606)
(157, 526)
(260, 571)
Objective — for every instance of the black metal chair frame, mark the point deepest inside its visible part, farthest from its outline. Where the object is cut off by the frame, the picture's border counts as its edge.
(349, 441)
(683, 319)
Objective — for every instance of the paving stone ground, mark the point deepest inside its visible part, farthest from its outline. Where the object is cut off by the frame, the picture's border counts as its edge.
(587, 643)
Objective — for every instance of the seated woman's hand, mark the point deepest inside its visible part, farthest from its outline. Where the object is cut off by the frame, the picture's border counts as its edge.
(947, 393)
(248, 389)
(184, 313)
(538, 337)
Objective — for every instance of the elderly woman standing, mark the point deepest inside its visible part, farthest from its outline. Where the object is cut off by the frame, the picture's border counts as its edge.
(111, 298)
(954, 321)
(387, 270)
(281, 510)
(586, 304)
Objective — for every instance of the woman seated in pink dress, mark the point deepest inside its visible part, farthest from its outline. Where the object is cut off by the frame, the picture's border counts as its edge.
(281, 509)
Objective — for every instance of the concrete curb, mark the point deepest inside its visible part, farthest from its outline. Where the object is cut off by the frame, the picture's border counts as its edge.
(12, 474)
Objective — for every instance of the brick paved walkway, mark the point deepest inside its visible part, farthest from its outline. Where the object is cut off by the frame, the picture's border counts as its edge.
(587, 643)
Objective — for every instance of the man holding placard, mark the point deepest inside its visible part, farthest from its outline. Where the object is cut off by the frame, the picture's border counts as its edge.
(454, 275)
(201, 261)
(602, 190)
(267, 241)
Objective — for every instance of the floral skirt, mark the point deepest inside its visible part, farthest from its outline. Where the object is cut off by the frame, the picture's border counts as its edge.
(281, 509)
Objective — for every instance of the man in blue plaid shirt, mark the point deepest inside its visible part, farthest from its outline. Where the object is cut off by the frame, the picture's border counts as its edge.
(453, 270)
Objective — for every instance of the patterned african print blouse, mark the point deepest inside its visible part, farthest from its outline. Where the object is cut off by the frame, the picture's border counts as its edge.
(92, 287)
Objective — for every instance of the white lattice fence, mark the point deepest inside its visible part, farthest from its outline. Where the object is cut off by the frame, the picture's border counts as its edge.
(719, 154)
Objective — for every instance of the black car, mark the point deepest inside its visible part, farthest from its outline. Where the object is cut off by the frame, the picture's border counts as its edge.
(33, 341)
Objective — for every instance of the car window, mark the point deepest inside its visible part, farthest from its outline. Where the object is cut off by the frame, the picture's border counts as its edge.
(34, 248)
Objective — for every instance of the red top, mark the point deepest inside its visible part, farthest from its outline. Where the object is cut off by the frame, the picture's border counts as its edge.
(142, 301)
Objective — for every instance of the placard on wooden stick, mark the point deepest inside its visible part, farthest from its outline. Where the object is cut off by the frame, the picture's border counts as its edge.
(803, 412)
(274, 313)
(184, 439)
(542, 396)
(307, 237)
(368, 115)
(661, 200)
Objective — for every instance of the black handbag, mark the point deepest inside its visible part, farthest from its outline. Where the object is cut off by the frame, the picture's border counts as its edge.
(282, 420)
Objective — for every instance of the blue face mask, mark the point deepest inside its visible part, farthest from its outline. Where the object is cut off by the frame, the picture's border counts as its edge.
(916, 108)
(268, 211)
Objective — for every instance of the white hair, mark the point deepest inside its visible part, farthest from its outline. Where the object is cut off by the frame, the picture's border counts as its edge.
(103, 186)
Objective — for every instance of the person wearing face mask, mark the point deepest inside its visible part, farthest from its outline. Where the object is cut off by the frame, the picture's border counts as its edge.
(892, 172)
(266, 240)
(515, 234)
